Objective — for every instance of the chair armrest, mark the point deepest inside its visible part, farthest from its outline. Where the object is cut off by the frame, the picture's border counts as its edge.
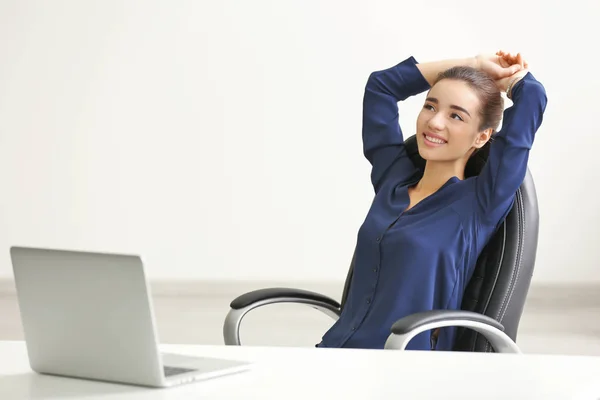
(254, 296)
(243, 304)
(410, 326)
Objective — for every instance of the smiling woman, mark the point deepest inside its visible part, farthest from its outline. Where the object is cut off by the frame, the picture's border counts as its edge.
(461, 113)
(419, 243)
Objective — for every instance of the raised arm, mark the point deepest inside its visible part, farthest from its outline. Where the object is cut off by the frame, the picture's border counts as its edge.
(383, 141)
(507, 161)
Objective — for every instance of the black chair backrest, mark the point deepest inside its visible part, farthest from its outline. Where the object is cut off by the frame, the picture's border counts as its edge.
(502, 276)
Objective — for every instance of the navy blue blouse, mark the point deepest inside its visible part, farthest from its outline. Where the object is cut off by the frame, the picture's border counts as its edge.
(422, 259)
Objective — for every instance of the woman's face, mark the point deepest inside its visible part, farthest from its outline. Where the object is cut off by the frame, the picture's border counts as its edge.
(447, 126)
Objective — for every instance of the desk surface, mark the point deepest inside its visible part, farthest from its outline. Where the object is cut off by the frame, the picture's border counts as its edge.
(303, 373)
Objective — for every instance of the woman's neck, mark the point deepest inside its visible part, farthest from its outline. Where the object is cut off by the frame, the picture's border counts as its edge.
(436, 174)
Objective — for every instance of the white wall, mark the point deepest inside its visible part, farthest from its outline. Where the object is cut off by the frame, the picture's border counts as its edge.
(222, 139)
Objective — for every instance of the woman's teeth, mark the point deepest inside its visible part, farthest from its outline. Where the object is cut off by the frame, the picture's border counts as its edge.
(434, 140)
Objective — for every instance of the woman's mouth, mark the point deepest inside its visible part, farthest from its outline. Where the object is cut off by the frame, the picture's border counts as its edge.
(433, 140)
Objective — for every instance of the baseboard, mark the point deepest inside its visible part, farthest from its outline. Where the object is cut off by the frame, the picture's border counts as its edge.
(540, 294)
(205, 288)
(7, 287)
(236, 288)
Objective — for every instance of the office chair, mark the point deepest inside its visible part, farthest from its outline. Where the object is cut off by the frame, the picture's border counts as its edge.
(494, 298)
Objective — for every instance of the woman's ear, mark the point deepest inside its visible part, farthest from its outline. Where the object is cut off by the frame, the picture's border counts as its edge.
(483, 137)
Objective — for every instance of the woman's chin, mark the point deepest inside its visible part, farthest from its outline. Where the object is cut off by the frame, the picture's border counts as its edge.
(425, 153)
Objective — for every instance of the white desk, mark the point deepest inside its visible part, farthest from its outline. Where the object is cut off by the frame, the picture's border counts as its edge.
(309, 373)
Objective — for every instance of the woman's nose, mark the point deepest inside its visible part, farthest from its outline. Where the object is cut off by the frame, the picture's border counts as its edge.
(436, 122)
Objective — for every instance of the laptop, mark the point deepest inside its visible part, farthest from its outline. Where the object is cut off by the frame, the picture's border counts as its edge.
(89, 315)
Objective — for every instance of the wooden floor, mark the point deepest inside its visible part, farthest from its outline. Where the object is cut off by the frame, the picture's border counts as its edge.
(553, 322)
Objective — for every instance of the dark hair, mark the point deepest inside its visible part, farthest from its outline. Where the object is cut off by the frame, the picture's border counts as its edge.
(492, 104)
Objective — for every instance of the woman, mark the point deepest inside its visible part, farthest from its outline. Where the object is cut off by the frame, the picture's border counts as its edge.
(421, 238)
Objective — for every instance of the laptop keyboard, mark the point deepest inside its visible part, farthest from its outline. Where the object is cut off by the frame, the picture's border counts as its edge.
(170, 371)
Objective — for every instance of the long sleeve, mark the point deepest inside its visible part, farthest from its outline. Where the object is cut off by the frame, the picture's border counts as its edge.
(506, 166)
(383, 141)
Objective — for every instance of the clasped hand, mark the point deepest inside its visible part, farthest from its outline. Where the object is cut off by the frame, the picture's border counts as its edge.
(503, 67)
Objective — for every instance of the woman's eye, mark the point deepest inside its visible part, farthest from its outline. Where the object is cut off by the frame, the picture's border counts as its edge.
(456, 116)
(428, 107)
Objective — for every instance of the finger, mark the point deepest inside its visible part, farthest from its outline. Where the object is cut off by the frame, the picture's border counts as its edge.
(509, 71)
(510, 58)
(513, 69)
(518, 60)
(502, 73)
(500, 61)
